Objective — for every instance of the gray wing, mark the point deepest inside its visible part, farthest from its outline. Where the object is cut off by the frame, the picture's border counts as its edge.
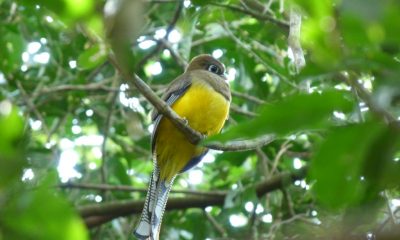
(177, 88)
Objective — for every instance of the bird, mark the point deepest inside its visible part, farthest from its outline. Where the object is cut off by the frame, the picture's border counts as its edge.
(201, 96)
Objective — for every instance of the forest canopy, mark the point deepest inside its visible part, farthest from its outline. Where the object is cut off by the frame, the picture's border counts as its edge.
(311, 148)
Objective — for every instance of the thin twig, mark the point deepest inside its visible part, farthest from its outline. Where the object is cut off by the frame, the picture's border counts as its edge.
(248, 97)
(131, 147)
(106, 131)
(159, 45)
(57, 125)
(215, 224)
(32, 106)
(267, 49)
(177, 57)
(298, 154)
(366, 97)
(284, 147)
(257, 6)
(275, 226)
(204, 40)
(289, 204)
(256, 57)
(239, 110)
(263, 159)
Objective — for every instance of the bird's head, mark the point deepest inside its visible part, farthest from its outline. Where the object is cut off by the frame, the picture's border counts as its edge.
(208, 63)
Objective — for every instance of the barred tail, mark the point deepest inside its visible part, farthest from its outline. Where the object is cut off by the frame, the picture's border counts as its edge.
(163, 189)
(154, 207)
(143, 229)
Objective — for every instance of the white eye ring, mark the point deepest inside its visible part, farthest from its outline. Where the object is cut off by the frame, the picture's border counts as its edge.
(214, 69)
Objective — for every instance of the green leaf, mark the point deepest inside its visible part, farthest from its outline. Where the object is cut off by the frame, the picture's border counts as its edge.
(11, 129)
(93, 57)
(33, 214)
(338, 166)
(200, 2)
(11, 52)
(188, 28)
(294, 113)
(119, 171)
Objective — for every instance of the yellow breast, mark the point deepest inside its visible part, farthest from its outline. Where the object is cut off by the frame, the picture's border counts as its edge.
(205, 110)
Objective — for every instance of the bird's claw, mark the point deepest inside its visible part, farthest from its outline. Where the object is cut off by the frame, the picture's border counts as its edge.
(185, 121)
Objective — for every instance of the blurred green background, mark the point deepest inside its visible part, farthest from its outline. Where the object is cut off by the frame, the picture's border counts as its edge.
(74, 136)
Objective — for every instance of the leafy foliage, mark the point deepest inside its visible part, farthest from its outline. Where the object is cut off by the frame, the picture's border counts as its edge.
(74, 135)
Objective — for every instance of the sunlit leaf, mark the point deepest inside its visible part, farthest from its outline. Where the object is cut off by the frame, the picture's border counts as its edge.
(11, 128)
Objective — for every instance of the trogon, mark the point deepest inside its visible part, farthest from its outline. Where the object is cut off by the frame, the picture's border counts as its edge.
(201, 96)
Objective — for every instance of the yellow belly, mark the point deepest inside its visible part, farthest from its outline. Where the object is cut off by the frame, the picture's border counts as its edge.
(206, 111)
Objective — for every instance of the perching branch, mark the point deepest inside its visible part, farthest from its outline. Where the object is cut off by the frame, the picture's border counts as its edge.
(96, 214)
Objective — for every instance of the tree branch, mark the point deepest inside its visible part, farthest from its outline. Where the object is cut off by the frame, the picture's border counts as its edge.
(294, 40)
(241, 145)
(79, 87)
(103, 187)
(96, 214)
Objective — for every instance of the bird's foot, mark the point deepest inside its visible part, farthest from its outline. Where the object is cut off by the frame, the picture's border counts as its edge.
(185, 121)
(204, 135)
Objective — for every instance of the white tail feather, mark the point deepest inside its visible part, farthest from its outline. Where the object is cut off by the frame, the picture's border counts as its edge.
(154, 207)
(163, 189)
(143, 229)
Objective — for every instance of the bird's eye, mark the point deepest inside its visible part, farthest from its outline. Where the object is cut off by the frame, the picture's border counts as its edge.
(214, 69)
